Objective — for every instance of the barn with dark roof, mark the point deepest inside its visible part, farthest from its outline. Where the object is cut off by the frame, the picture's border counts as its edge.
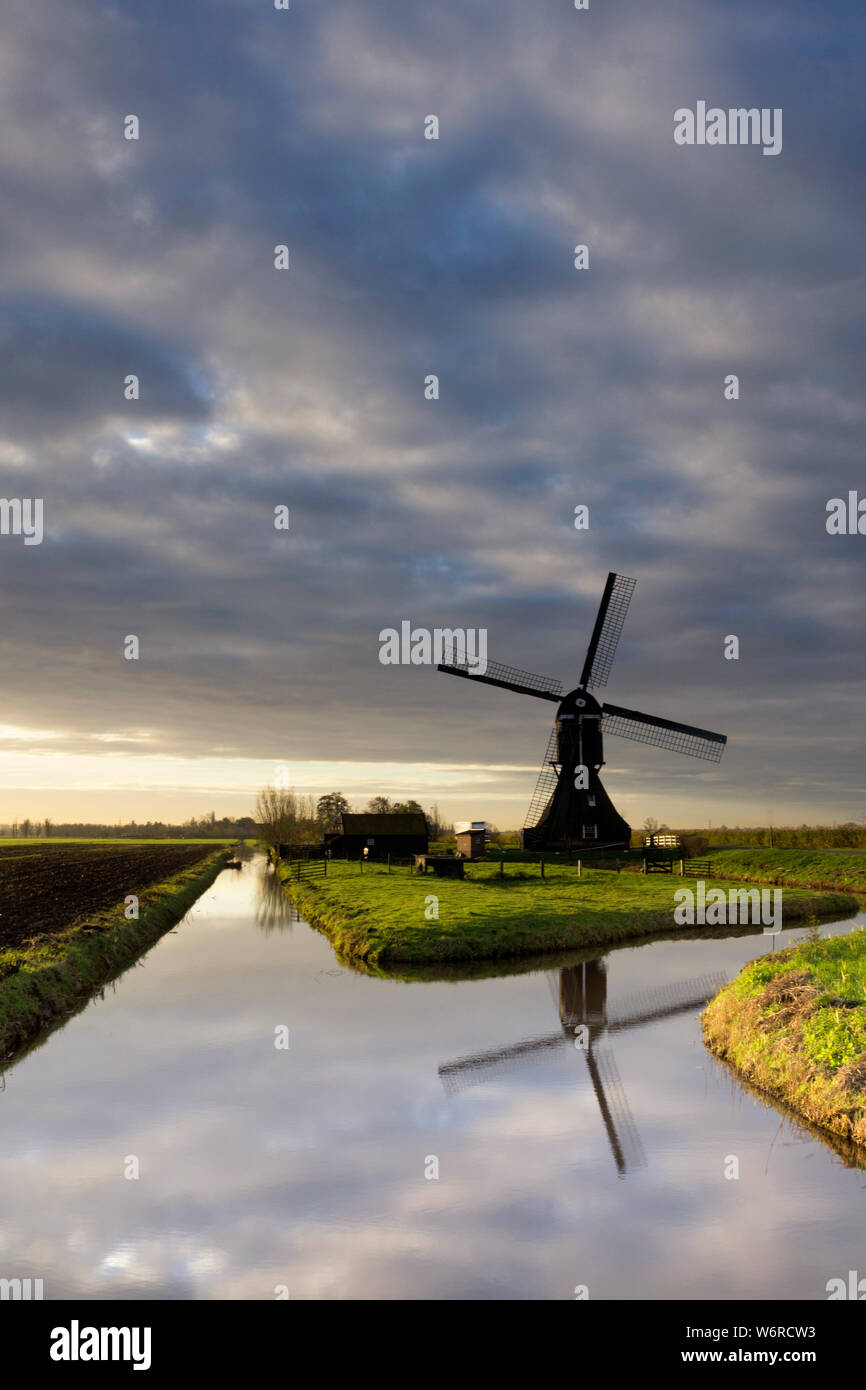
(399, 833)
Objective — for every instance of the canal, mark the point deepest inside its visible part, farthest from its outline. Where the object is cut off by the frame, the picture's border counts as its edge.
(311, 1168)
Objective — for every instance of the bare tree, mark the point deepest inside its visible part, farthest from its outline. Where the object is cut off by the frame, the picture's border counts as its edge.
(285, 818)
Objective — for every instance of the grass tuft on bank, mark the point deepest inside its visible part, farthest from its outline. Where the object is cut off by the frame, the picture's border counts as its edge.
(374, 918)
(46, 980)
(794, 1025)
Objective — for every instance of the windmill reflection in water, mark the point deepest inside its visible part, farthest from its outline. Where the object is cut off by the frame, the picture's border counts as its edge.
(581, 995)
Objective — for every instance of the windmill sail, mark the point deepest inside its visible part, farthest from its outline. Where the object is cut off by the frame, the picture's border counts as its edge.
(456, 663)
(546, 784)
(663, 733)
(480, 1066)
(622, 1135)
(665, 1001)
(608, 625)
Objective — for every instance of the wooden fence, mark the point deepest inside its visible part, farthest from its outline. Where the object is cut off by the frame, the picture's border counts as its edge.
(698, 868)
(303, 870)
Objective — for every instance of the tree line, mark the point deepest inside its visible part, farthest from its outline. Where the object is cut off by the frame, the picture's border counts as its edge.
(208, 826)
(280, 817)
(284, 817)
(850, 835)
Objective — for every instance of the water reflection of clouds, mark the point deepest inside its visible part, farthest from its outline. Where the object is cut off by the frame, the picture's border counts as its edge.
(306, 1168)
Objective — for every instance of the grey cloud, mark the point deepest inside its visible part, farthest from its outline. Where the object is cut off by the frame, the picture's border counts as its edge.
(410, 257)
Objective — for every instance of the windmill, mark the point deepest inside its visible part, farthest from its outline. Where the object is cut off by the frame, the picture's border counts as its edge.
(584, 1017)
(570, 808)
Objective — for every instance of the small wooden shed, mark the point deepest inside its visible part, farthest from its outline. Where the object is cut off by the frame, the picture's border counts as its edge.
(471, 839)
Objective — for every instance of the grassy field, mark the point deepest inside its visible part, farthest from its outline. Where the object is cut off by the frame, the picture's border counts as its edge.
(795, 1026)
(49, 969)
(374, 918)
(797, 868)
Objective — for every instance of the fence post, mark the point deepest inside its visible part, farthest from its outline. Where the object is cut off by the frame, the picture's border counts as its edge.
(579, 868)
(502, 868)
(542, 868)
(325, 871)
(389, 863)
(682, 868)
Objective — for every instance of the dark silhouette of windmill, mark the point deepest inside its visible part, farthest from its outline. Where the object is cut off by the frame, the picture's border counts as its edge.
(570, 808)
(584, 1017)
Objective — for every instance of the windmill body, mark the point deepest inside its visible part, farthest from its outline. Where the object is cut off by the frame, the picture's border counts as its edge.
(571, 809)
(578, 812)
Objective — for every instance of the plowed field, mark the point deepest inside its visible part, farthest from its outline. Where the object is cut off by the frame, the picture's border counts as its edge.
(44, 888)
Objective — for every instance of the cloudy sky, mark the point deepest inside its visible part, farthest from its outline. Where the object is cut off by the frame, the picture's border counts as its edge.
(305, 388)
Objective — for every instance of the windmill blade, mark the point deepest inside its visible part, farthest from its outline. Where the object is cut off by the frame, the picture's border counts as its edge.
(580, 994)
(608, 625)
(624, 1140)
(456, 663)
(665, 1001)
(663, 733)
(634, 1011)
(477, 1066)
(546, 784)
(603, 1073)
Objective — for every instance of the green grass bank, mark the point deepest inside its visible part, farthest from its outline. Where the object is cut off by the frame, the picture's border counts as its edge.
(46, 980)
(375, 918)
(795, 868)
(794, 1025)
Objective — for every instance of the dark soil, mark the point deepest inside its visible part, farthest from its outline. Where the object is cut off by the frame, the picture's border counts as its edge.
(44, 888)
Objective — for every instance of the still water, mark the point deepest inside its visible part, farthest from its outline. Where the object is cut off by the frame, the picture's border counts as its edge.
(263, 1167)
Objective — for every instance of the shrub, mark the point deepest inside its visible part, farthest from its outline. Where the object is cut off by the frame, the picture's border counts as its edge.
(694, 845)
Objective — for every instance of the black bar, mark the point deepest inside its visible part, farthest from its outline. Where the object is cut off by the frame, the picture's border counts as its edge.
(204, 1340)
